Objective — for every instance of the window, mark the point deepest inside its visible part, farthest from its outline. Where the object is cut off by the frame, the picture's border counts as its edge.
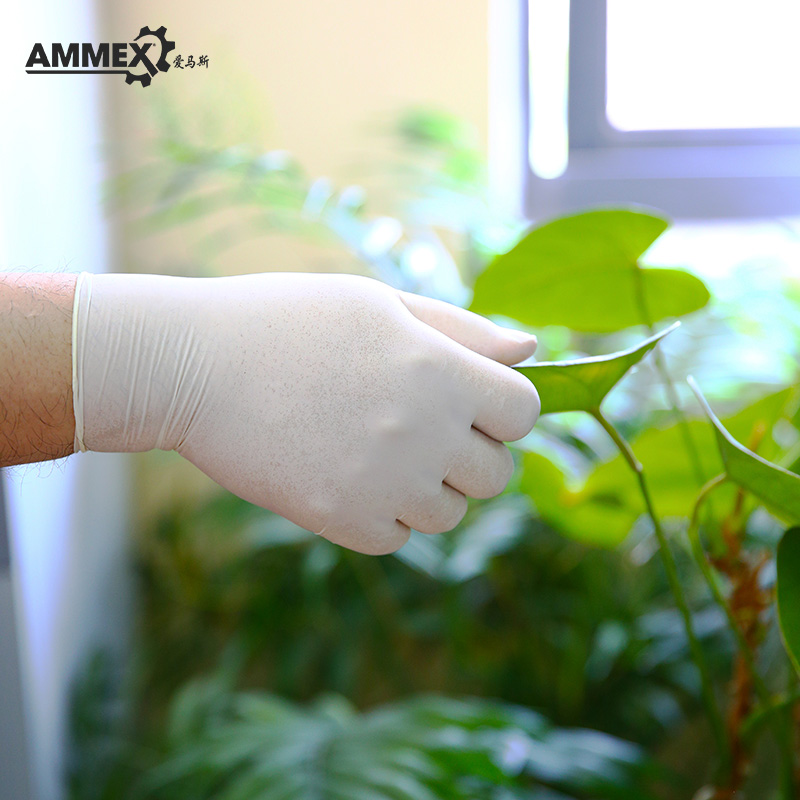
(690, 106)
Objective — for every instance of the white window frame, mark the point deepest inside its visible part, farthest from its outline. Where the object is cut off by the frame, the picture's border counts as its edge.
(743, 173)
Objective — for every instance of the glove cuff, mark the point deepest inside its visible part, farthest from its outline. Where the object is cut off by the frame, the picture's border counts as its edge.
(138, 377)
(80, 307)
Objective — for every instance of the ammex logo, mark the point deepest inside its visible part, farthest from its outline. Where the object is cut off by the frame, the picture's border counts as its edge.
(139, 61)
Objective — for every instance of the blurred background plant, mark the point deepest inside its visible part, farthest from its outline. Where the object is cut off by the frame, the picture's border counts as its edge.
(535, 652)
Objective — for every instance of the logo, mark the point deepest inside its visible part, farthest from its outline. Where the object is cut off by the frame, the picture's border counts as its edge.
(139, 61)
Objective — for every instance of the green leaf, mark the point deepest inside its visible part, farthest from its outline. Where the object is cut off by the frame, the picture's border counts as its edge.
(583, 271)
(582, 384)
(775, 486)
(788, 593)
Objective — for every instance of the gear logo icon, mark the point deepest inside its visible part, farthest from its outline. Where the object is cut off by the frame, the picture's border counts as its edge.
(160, 65)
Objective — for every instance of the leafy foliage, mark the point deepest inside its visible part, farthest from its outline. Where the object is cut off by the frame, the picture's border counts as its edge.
(602, 508)
(250, 745)
(312, 617)
(592, 519)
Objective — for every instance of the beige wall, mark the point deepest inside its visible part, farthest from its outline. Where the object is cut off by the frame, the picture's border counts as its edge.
(321, 75)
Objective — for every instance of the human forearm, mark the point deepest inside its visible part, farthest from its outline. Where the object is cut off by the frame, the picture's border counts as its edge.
(36, 414)
(356, 411)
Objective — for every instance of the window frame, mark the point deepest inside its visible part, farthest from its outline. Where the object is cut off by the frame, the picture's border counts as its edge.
(741, 173)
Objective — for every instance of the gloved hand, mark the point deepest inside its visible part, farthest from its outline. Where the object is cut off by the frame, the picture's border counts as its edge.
(355, 410)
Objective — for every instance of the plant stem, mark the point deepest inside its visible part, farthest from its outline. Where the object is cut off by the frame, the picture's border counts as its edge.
(671, 391)
(780, 728)
(716, 591)
(670, 567)
(683, 423)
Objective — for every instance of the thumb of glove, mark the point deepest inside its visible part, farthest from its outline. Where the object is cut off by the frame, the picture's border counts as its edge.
(471, 330)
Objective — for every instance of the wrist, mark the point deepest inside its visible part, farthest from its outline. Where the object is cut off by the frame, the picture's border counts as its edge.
(36, 416)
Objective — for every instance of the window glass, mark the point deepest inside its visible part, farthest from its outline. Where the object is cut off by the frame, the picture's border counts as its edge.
(703, 64)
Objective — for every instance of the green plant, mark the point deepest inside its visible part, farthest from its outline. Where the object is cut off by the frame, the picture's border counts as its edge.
(549, 597)
(252, 745)
(610, 242)
(224, 744)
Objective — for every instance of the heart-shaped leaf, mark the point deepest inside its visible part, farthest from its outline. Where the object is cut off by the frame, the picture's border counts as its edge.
(788, 593)
(774, 486)
(582, 384)
(583, 271)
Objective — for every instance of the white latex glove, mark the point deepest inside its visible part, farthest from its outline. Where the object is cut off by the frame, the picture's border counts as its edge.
(355, 410)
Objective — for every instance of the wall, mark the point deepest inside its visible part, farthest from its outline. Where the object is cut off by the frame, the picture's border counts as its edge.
(322, 77)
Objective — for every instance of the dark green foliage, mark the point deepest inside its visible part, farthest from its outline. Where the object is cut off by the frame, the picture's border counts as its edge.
(789, 593)
(249, 746)
(450, 614)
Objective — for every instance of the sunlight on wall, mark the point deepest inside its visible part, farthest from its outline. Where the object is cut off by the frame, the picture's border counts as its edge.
(323, 83)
